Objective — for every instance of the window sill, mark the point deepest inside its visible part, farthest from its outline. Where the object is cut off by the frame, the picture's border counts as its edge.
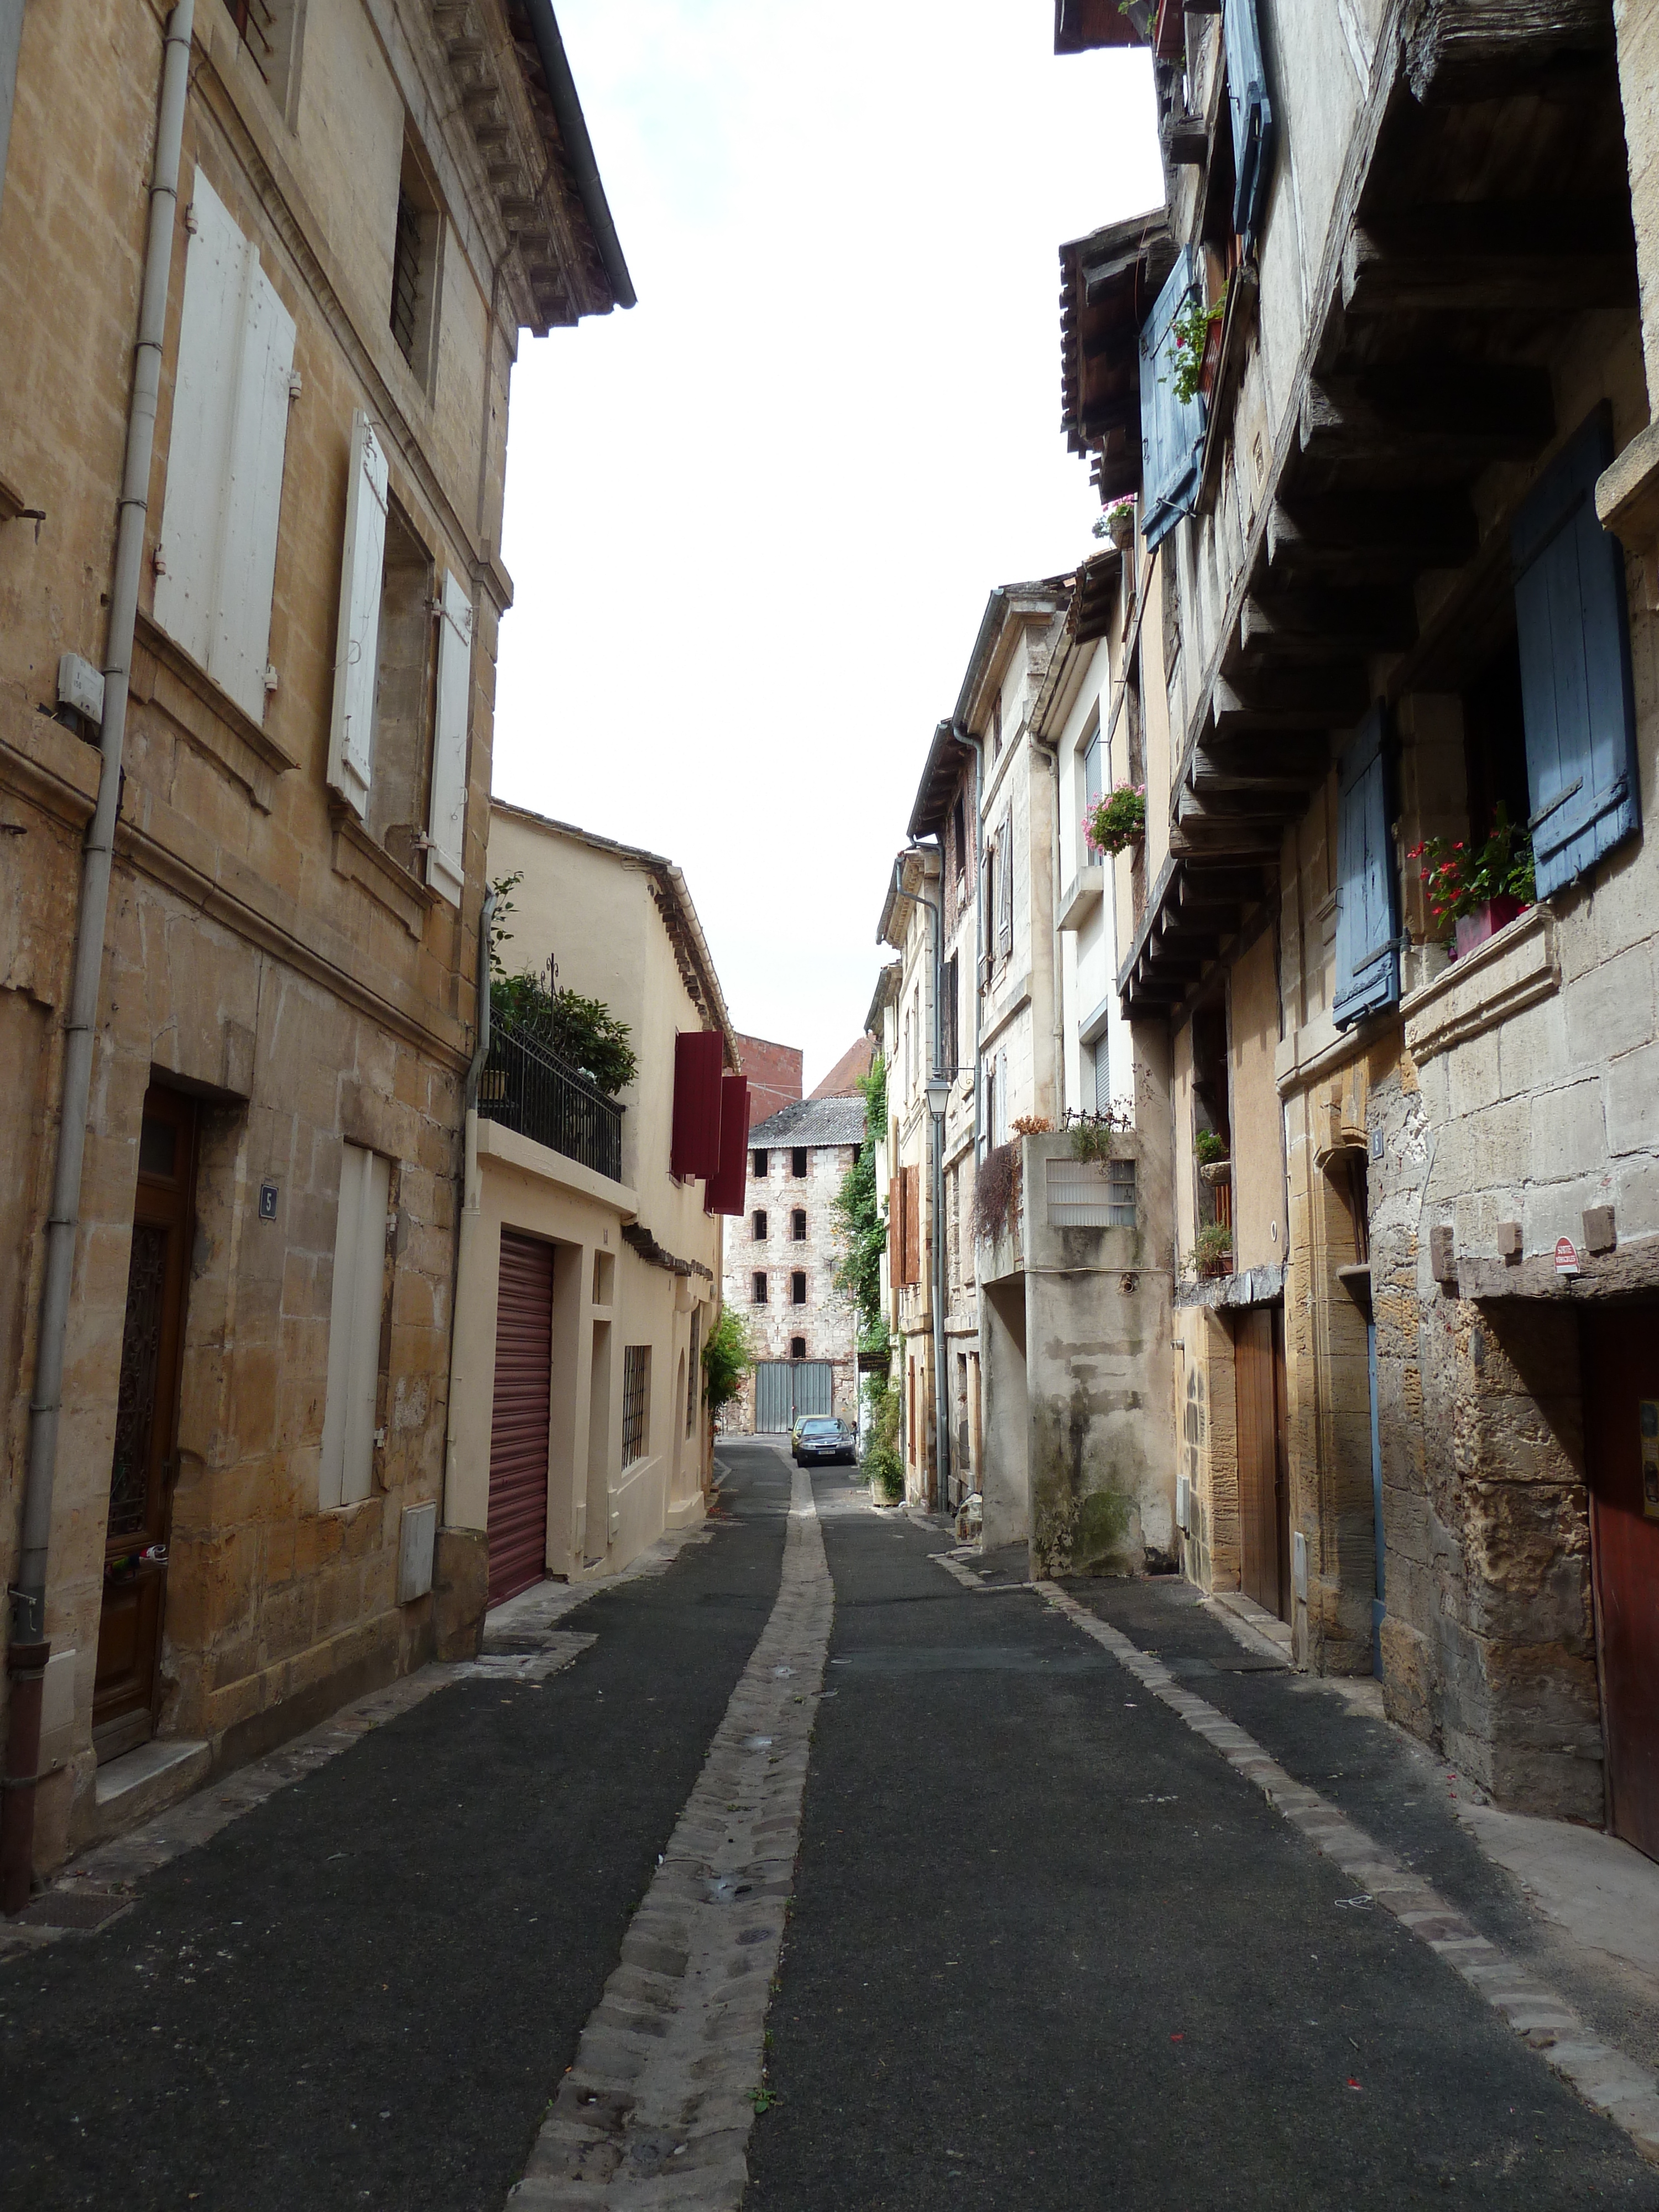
(1513, 970)
(1082, 896)
(358, 857)
(165, 676)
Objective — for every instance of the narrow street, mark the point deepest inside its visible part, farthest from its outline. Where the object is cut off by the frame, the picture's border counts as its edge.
(1047, 1947)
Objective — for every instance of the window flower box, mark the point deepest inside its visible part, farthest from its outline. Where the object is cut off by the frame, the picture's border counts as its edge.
(1472, 929)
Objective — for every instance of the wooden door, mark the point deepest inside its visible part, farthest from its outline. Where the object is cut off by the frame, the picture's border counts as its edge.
(1263, 1465)
(1621, 1423)
(520, 1417)
(144, 1462)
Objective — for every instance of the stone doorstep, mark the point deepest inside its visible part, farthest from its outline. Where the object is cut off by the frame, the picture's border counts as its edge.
(140, 1783)
(1267, 1625)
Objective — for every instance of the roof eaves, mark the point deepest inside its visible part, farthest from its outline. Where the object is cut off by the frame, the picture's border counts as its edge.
(578, 148)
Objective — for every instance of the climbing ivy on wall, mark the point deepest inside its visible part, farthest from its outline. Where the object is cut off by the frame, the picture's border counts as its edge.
(859, 1211)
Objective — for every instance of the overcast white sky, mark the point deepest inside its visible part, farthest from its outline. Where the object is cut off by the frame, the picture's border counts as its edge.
(752, 522)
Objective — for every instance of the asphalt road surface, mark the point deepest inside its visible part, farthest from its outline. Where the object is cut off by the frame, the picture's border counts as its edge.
(1048, 1949)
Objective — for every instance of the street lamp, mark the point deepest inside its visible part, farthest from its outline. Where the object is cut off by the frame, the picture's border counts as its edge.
(939, 1096)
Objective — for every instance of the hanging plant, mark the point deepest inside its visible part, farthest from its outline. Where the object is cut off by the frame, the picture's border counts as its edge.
(1117, 819)
(1212, 1251)
(1189, 334)
(996, 1194)
(1117, 524)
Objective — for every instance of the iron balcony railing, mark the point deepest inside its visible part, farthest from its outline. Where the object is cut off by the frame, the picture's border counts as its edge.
(525, 1087)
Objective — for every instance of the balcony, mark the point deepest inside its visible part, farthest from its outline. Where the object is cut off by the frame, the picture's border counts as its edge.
(527, 1087)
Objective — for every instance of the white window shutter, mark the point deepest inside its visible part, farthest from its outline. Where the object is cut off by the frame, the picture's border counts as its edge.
(346, 1470)
(351, 724)
(445, 856)
(204, 389)
(241, 646)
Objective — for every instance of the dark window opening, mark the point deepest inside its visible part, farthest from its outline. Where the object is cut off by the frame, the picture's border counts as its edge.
(949, 993)
(797, 1161)
(406, 276)
(797, 1347)
(691, 1374)
(798, 1290)
(757, 1292)
(1212, 1115)
(759, 1224)
(413, 307)
(405, 688)
(1495, 742)
(959, 835)
(757, 1166)
(996, 727)
(636, 1378)
(797, 1226)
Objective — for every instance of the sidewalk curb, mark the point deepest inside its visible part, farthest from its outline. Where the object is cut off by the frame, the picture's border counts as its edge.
(1604, 2077)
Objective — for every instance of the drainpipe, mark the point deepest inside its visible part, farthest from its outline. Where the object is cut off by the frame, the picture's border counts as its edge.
(28, 1647)
(1051, 754)
(936, 1116)
(466, 1235)
(965, 736)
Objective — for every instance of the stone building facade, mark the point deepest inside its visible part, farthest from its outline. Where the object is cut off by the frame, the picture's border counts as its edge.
(1390, 572)
(782, 1262)
(370, 207)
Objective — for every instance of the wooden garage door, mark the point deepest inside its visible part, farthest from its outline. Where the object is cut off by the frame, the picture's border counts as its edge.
(518, 1422)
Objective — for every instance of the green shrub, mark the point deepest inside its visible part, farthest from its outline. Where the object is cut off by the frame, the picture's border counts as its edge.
(726, 1358)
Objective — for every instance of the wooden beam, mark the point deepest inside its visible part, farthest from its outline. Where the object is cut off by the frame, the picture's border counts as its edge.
(1480, 49)
(1314, 625)
(1288, 698)
(1440, 413)
(1263, 767)
(1490, 259)
(1365, 537)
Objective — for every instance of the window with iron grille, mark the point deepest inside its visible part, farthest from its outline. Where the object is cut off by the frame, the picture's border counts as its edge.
(637, 1392)
(797, 1347)
(257, 29)
(758, 1164)
(406, 276)
(798, 1290)
(757, 1291)
(797, 1161)
(691, 1371)
(760, 1224)
(797, 1226)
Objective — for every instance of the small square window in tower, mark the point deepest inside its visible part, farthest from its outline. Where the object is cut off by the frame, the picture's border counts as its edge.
(797, 1161)
(798, 1290)
(798, 1224)
(757, 1291)
(797, 1347)
(416, 241)
(759, 1224)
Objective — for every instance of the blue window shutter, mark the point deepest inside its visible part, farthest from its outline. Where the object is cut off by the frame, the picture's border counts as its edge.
(1367, 893)
(1252, 114)
(1576, 690)
(1171, 435)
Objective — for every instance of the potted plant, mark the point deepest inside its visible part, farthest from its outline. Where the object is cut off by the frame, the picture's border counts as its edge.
(1117, 819)
(1473, 892)
(1118, 524)
(1190, 338)
(1212, 1251)
(1213, 1164)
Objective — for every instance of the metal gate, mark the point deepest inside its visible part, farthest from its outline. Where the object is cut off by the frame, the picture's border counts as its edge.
(520, 1416)
(788, 1389)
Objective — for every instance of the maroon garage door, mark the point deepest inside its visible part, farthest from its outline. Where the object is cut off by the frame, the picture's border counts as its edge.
(519, 1416)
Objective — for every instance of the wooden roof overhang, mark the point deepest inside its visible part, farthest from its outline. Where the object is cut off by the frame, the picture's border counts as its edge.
(1083, 25)
(1108, 283)
(948, 760)
(1486, 205)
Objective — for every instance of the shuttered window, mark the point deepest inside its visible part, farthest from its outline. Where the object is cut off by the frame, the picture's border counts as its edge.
(1367, 889)
(1251, 112)
(217, 563)
(1576, 689)
(354, 1328)
(1172, 430)
(1005, 889)
(446, 824)
(912, 1225)
(694, 1145)
(358, 632)
(896, 1230)
(726, 1190)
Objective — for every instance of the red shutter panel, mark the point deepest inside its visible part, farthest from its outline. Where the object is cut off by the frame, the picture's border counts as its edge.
(725, 1194)
(913, 1224)
(694, 1148)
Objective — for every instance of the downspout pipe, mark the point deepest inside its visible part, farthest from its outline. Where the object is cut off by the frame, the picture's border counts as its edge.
(28, 1647)
(941, 1427)
(467, 1233)
(977, 745)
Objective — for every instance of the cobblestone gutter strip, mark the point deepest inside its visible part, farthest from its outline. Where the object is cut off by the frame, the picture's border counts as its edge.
(657, 2108)
(1604, 2077)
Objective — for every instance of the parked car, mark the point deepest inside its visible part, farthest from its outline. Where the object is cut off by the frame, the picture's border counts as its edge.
(821, 1438)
